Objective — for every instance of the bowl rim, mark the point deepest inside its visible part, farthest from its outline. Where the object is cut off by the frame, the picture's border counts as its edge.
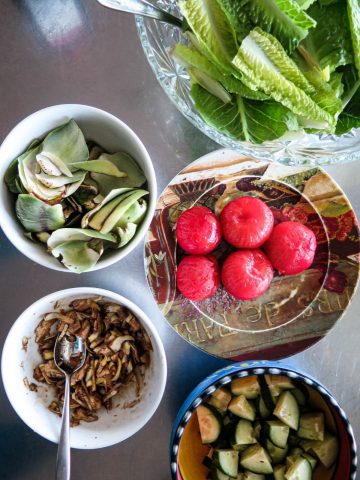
(78, 291)
(225, 375)
(44, 258)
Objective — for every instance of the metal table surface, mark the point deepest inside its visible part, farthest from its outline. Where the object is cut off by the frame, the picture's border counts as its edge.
(74, 51)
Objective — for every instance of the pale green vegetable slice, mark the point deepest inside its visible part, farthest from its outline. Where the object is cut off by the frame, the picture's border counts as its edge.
(98, 219)
(257, 64)
(135, 177)
(212, 29)
(101, 165)
(353, 7)
(38, 216)
(79, 256)
(71, 234)
(125, 234)
(64, 146)
(58, 181)
(11, 177)
(47, 166)
(285, 19)
(212, 86)
(134, 215)
(240, 22)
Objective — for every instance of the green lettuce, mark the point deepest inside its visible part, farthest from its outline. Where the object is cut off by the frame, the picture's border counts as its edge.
(239, 20)
(305, 4)
(249, 120)
(353, 7)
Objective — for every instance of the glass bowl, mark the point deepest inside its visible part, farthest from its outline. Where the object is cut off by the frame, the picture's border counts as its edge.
(158, 38)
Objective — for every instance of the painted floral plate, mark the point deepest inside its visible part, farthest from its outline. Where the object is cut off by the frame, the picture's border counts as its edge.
(297, 310)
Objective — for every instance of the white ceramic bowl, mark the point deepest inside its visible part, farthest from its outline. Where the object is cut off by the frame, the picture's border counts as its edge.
(98, 125)
(111, 427)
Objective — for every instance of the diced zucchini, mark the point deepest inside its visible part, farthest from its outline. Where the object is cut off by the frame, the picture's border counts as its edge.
(287, 410)
(312, 426)
(279, 472)
(266, 394)
(217, 474)
(278, 383)
(220, 399)
(327, 450)
(244, 433)
(262, 408)
(277, 432)
(291, 459)
(209, 423)
(256, 460)
(242, 408)
(310, 459)
(227, 461)
(277, 454)
(252, 476)
(300, 470)
(247, 386)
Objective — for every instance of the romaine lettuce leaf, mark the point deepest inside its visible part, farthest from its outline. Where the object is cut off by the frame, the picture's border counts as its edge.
(353, 7)
(284, 19)
(329, 44)
(259, 65)
(212, 86)
(346, 123)
(237, 17)
(189, 57)
(212, 29)
(305, 4)
(248, 120)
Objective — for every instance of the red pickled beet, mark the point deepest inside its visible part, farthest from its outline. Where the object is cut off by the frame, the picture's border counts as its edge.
(198, 231)
(198, 277)
(246, 222)
(291, 247)
(247, 274)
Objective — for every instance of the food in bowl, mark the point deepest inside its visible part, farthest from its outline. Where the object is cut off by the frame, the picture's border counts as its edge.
(118, 353)
(246, 223)
(263, 425)
(75, 198)
(260, 70)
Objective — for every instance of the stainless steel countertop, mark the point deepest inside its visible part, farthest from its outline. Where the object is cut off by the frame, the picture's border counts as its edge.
(74, 51)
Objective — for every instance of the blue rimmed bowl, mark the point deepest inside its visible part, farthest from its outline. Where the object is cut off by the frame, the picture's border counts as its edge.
(347, 459)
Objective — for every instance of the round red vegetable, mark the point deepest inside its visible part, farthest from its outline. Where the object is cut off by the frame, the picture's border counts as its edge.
(246, 222)
(198, 277)
(247, 274)
(291, 247)
(198, 231)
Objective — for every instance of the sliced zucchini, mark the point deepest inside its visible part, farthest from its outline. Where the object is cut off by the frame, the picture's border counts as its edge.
(247, 386)
(287, 410)
(244, 433)
(277, 454)
(300, 470)
(310, 459)
(312, 426)
(209, 423)
(227, 461)
(279, 472)
(220, 399)
(262, 408)
(256, 460)
(277, 432)
(327, 450)
(242, 408)
(217, 474)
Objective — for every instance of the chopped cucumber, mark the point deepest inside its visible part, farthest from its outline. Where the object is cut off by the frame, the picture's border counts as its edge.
(277, 432)
(220, 399)
(287, 410)
(209, 423)
(263, 410)
(310, 459)
(278, 383)
(247, 386)
(244, 433)
(227, 461)
(291, 459)
(327, 450)
(277, 454)
(279, 472)
(312, 426)
(300, 470)
(256, 460)
(217, 474)
(242, 408)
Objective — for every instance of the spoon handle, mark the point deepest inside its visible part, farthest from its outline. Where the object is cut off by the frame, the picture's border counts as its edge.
(144, 8)
(63, 453)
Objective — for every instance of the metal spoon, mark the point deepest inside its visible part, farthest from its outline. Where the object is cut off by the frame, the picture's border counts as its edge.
(69, 356)
(144, 8)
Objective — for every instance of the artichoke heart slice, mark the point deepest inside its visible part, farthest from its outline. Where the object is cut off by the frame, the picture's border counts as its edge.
(64, 235)
(64, 146)
(79, 256)
(115, 216)
(59, 181)
(135, 177)
(125, 234)
(134, 214)
(37, 216)
(47, 166)
(102, 166)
